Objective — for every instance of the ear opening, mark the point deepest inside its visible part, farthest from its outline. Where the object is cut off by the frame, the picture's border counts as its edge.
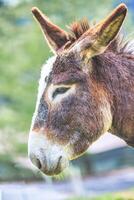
(54, 35)
(109, 27)
(96, 40)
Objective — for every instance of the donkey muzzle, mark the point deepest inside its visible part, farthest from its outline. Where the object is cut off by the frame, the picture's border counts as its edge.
(50, 158)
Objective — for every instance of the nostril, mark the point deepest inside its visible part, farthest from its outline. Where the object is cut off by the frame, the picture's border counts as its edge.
(59, 163)
(60, 159)
(38, 163)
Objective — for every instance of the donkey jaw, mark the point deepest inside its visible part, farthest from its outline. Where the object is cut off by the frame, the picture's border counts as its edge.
(50, 158)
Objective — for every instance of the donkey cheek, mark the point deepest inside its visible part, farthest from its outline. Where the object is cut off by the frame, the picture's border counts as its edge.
(77, 150)
(77, 145)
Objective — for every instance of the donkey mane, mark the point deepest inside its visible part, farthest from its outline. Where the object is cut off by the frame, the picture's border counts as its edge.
(118, 45)
(78, 28)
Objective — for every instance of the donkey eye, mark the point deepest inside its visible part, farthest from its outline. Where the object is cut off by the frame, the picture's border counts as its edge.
(60, 90)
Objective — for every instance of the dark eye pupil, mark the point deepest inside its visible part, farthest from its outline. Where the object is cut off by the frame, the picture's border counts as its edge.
(60, 90)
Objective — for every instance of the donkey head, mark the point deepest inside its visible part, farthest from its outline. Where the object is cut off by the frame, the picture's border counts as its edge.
(73, 108)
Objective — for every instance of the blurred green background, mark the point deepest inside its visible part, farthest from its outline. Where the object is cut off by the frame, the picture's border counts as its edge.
(22, 53)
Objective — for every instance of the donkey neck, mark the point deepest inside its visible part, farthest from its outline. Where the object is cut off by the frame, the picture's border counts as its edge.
(115, 72)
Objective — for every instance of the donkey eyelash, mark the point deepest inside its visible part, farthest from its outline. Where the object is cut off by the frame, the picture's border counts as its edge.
(60, 90)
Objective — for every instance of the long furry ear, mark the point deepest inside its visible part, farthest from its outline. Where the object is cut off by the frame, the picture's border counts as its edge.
(96, 39)
(55, 36)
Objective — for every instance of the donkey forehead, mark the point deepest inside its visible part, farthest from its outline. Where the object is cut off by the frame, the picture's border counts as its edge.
(66, 62)
(67, 68)
(61, 68)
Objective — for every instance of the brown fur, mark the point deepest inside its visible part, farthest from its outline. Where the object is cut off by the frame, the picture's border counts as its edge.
(116, 73)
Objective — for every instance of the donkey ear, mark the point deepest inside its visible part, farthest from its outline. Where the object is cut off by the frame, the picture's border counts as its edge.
(55, 36)
(96, 40)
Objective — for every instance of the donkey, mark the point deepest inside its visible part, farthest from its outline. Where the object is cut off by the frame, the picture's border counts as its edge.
(85, 90)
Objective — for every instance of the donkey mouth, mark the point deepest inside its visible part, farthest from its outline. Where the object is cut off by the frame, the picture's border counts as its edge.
(50, 164)
(49, 168)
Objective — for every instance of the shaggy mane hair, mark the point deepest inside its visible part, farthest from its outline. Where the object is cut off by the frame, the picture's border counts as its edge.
(78, 28)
